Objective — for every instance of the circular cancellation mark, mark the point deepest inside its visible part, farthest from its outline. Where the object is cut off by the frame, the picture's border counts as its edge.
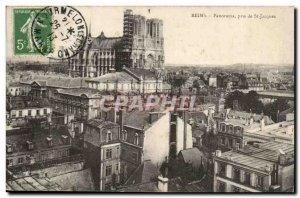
(59, 32)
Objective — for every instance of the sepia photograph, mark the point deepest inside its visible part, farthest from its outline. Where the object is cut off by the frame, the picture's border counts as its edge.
(150, 99)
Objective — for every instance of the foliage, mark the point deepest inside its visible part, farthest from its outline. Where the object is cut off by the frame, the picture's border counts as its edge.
(246, 102)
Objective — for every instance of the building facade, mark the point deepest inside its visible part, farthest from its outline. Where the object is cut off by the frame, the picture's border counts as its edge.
(142, 46)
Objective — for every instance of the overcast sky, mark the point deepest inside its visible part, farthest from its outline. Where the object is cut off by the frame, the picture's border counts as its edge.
(210, 40)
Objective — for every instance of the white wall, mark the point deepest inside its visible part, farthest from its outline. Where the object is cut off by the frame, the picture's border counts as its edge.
(180, 137)
(156, 142)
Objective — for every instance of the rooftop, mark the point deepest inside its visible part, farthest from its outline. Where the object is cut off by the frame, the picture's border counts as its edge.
(246, 160)
(101, 123)
(102, 42)
(114, 77)
(146, 172)
(26, 104)
(269, 150)
(87, 92)
(75, 181)
(192, 156)
(32, 183)
(19, 141)
(57, 81)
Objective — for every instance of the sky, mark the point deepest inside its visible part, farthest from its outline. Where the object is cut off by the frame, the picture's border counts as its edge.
(206, 40)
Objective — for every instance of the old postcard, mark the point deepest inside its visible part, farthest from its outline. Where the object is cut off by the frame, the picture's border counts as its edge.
(150, 99)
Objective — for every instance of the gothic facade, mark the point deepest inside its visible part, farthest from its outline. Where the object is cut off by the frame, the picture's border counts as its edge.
(142, 46)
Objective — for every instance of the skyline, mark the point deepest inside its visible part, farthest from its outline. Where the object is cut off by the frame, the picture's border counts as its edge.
(224, 41)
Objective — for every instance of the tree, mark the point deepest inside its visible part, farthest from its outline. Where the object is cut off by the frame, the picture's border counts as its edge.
(236, 95)
(252, 102)
(246, 102)
(273, 109)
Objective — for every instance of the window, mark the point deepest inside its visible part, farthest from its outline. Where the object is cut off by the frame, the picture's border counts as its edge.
(108, 153)
(222, 169)
(20, 113)
(108, 136)
(124, 135)
(221, 186)
(236, 174)
(108, 170)
(8, 148)
(118, 151)
(117, 168)
(260, 181)
(13, 114)
(223, 140)
(45, 111)
(135, 157)
(20, 160)
(136, 139)
(9, 162)
(235, 189)
(107, 186)
(29, 112)
(230, 143)
(247, 178)
(38, 112)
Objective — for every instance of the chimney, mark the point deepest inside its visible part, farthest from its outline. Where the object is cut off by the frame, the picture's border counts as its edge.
(72, 126)
(81, 127)
(153, 116)
(121, 119)
(162, 184)
(237, 146)
(251, 121)
(218, 153)
(262, 124)
(184, 131)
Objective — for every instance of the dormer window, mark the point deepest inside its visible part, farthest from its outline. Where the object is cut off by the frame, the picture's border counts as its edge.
(108, 136)
(9, 148)
(65, 139)
(29, 145)
(49, 141)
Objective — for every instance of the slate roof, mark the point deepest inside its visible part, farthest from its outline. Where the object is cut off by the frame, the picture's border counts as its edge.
(269, 150)
(26, 104)
(246, 160)
(19, 141)
(105, 43)
(146, 74)
(146, 172)
(114, 77)
(32, 183)
(81, 91)
(101, 123)
(192, 156)
(138, 119)
(58, 81)
(75, 181)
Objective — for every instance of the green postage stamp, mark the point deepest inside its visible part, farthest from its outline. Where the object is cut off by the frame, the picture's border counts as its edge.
(23, 32)
(57, 32)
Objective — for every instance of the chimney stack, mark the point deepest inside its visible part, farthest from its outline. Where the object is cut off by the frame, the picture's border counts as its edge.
(162, 184)
(121, 119)
(262, 124)
(218, 153)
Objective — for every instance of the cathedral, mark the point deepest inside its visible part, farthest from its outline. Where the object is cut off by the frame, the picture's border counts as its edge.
(142, 46)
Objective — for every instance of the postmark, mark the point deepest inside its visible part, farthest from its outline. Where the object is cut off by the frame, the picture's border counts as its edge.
(23, 19)
(68, 32)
